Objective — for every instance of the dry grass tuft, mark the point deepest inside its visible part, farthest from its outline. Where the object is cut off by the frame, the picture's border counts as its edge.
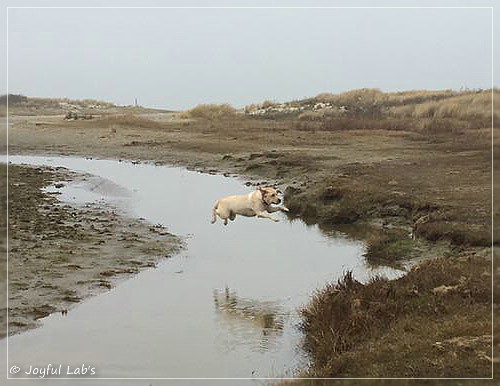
(267, 104)
(470, 107)
(125, 120)
(422, 111)
(23, 105)
(376, 96)
(345, 320)
(210, 112)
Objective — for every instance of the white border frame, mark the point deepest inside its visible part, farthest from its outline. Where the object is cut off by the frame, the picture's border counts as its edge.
(256, 7)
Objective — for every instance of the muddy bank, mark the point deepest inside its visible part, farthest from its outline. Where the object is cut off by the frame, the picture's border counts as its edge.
(62, 254)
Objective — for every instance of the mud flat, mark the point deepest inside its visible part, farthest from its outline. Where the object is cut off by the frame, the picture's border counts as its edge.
(61, 254)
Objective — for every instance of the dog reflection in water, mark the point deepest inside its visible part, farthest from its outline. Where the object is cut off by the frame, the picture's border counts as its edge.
(246, 316)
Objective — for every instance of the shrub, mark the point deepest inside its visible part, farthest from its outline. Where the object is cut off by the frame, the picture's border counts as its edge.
(268, 103)
(14, 99)
(210, 111)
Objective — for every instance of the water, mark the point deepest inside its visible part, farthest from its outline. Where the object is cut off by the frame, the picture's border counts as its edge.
(225, 307)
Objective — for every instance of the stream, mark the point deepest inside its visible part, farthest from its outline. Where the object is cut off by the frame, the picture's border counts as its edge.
(224, 307)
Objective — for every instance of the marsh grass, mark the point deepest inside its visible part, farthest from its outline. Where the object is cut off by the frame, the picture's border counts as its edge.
(37, 102)
(210, 112)
(126, 120)
(457, 233)
(345, 321)
(331, 203)
(33, 106)
(374, 95)
(424, 111)
(361, 195)
(389, 246)
(473, 106)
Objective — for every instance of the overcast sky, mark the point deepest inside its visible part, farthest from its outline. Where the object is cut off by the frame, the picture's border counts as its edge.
(177, 58)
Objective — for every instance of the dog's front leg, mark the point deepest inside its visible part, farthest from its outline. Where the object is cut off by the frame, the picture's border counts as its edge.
(265, 215)
(271, 209)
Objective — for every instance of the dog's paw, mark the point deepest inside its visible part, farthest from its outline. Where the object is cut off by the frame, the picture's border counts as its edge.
(276, 220)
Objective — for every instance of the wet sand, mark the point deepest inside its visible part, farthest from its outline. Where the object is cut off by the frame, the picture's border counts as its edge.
(61, 254)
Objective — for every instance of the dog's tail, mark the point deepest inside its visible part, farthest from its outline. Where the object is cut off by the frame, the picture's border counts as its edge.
(214, 212)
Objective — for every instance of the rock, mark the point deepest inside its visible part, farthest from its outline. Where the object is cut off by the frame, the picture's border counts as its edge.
(444, 289)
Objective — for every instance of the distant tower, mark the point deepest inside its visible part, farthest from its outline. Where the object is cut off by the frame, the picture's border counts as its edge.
(135, 102)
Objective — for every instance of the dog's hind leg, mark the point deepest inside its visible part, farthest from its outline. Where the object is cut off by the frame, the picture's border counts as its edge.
(214, 212)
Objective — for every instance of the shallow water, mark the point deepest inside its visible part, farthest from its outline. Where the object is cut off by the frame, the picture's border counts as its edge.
(226, 306)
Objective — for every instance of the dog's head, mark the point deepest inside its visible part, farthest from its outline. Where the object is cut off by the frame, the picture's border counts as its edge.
(270, 195)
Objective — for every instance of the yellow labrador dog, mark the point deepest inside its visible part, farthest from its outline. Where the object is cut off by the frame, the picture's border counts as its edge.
(258, 203)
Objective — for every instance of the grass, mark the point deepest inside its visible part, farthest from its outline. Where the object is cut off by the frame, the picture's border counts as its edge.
(475, 106)
(333, 202)
(423, 111)
(37, 102)
(126, 120)
(354, 329)
(389, 246)
(210, 112)
(14, 99)
(257, 106)
(329, 121)
(23, 105)
(371, 96)
(361, 194)
(457, 233)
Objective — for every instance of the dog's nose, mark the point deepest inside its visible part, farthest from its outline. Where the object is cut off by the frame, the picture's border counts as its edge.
(279, 200)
